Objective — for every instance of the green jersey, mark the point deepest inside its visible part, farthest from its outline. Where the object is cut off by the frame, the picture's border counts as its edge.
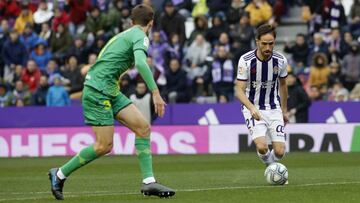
(116, 58)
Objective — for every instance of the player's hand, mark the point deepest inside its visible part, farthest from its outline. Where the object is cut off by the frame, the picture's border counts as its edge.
(286, 118)
(159, 103)
(255, 113)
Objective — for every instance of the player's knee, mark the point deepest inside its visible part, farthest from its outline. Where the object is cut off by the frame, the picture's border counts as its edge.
(262, 148)
(103, 148)
(143, 130)
(279, 152)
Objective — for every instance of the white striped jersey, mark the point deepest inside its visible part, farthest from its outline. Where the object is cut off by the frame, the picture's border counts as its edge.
(262, 77)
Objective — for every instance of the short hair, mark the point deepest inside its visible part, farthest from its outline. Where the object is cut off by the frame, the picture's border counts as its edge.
(265, 29)
(142, 14)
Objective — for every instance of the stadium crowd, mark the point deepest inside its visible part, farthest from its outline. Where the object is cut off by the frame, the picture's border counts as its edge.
(47, 47)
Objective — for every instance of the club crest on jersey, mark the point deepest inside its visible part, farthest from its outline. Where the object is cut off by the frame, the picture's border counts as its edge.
(276, 70)
(146, 42)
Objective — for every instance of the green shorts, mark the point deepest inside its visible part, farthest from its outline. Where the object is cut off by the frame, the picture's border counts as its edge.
(100, 109)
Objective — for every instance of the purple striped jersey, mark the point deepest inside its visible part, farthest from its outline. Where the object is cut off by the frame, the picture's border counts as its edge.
(262, 77)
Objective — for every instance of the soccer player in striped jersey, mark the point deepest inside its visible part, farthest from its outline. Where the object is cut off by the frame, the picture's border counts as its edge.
(261, 88)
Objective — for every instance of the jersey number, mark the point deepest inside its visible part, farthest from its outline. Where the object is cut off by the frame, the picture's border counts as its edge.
(250, 123)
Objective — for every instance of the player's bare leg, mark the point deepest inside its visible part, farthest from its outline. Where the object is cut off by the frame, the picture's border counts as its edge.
(263, 150)
(278, 151)
(131, 117)
(102, 146)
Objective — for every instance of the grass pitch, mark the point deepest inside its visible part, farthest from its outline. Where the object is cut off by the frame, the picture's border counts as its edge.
(321, 177)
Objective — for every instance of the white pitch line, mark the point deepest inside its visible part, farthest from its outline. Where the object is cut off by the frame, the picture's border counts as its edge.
(109, 193)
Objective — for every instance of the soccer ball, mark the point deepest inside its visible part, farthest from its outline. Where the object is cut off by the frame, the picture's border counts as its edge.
(276, 174)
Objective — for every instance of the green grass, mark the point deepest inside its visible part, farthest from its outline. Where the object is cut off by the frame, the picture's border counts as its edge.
(321, 177)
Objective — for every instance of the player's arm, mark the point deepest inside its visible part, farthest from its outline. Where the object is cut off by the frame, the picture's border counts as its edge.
(240, 87)
(283, 94)
(283, 89)
(146, 74)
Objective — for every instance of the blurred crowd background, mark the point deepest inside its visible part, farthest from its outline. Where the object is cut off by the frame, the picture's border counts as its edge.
(47, 47)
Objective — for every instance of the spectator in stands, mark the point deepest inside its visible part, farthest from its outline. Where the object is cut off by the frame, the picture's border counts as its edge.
(45, 32)
(98, 45)
(318, 46)
(319, 71)
(355, 93)
(39, 96)
(223, 75)
(174, 49)
(29, 37)
(218, 26)
(43, 14)
(195, 57)
(127, 85)
(299, 52)
(351, 66)
(216, 6)
(334, 14)
(338, 92)
(201, 27)
(176, 88)
(4, 95)
(335, 74)
(60, 41)
(79, 49)
(78, 11)
(72, 73)
(31, 75)
(60, 17)
(41, 55)
(298, 100)
(91, 61)
(57, 94)
(10, 9)
(355, 19)
(335, 43)
(158, 47)
(13, 53)
(345, 45)
(172, 22)
(52, 68)
(4, 36)
(143, 101)
(103, 5)
(223, 41)
(314, 93)
(25, 17)
(242, 35)
(184, 7)
(235, 12)
(95, 25)
(125, 18)
(17, 75)
(20, 95)
(260, 12)
(114, 18)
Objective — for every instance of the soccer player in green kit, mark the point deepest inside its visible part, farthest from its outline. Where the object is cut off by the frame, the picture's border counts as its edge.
(102, 102)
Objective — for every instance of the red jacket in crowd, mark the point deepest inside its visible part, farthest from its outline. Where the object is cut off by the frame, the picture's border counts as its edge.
(78, 9)
(62, 19)
(31, 79)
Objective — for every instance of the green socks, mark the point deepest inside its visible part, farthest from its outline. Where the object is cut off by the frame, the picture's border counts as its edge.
(88, 154)
(143, 153)
(85, 156)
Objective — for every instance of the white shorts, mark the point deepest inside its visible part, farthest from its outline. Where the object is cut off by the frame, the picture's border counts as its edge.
(270, 125)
